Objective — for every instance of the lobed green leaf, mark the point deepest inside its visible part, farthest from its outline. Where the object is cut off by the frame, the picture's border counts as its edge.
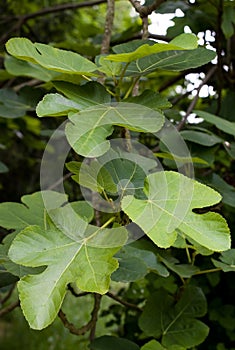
(85, 261)
(171, 197)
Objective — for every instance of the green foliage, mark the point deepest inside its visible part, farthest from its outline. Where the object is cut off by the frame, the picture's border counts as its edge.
(176, 323)
(106, 342)
(126, 156)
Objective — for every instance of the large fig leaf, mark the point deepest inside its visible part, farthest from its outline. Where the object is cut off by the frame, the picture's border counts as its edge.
(176, 323)
(171, 197)
(88, 262)
(89, 128)
(49, 57)
(170, 60)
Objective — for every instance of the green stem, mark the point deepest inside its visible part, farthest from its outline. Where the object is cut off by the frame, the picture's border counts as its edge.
(123, 74)
(108, 199)
(208, 271)
(188, 255)
(129, 91)
(108, 222)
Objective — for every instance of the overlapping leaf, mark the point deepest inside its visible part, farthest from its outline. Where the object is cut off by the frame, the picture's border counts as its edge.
(88, 129)
(109, 342)
(171, 197)
(155, 345)
(85, 261)
(56, 105)
(12, 105)
(49, 57)
(144, 57)
(182, 42)
(135, 263)
(32, 211)
(182, 270)
(12, 270)
(176, 323)
(18, 67)
(201, 138)
(87, 95)
(150, 99)
(220, 123)
(227, 191)
(78, 97)
(227, 261)
(170, 60)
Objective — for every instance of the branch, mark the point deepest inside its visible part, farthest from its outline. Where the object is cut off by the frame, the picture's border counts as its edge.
(32, 82)
(62, 7)
(144, 11)
(89, 326)
(145, 24)
(58, 182)
(94, 315)
(77, 295)
(123, 302)
(139, 36)
(195, 99)
(8, 295)
(46, 11)
(108, 27)
(9, 308)
(172, 81)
